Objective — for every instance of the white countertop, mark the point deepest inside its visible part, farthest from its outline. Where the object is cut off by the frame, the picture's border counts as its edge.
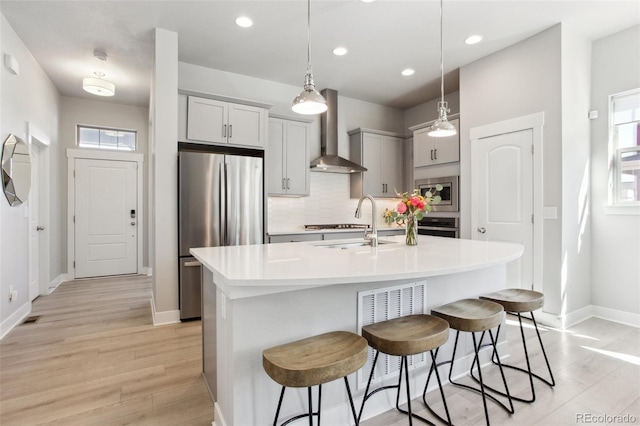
(253, 270)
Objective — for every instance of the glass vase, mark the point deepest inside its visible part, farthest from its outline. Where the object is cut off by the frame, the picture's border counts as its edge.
(411, 236)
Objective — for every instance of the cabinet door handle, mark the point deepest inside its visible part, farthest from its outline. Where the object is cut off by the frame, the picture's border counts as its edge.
(224, 131)
(283, 183)
(432, 154)
(435, 154)
(288, 183)
(230, 130)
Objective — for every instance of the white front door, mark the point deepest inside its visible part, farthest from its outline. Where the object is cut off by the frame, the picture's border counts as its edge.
(502, 197)
(106, 218)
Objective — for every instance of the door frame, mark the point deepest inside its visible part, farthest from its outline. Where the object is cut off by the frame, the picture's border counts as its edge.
(36, 137)
(89, 154)
(534, 122)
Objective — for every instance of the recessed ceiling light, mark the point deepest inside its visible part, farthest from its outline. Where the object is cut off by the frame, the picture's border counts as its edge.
(244, 22)
(408, 72)
(339, 51)
(473, 39)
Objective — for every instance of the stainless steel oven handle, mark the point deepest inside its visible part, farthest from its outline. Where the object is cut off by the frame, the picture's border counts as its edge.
(192, 263)
(437, 228)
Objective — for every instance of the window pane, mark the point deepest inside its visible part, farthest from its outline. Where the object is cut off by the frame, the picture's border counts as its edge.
(628, 135)
(127, 141)
(629, 184)
(108, 139)
(626, 108)
(88, 138)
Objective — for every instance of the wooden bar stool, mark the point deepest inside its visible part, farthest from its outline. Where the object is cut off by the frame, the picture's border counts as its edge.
(314, 361)
(473, 315)
(517, 301)
(404, 336)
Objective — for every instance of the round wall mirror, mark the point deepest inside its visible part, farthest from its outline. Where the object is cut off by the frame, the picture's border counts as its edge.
(16, 170)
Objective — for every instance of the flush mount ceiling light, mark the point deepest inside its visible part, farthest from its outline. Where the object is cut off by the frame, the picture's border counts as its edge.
(474, 39)
(408, 72)
(98, 86)
(309, 101)
(244, 22)
(442, 127)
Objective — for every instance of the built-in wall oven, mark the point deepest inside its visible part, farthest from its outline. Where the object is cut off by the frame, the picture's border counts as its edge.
(448, 193)
(439, 226)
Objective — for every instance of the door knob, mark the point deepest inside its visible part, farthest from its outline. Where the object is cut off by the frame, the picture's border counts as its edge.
(39, 228)
(482, 230)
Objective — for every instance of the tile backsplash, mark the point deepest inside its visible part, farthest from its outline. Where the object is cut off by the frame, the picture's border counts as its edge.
(329, 202)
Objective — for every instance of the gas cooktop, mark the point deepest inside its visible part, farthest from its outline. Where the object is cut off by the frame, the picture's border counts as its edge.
(336, 226)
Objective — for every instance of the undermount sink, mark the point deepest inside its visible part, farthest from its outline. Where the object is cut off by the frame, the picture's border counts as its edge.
(352, 244)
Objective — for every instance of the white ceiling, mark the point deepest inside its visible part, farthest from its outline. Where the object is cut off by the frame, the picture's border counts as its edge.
(383, 38)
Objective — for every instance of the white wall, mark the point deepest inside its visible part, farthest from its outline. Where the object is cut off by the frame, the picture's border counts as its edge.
(520, 80)
(615, 269)
(163, 178)
(92, 112)
(576, 151)
(27, 97)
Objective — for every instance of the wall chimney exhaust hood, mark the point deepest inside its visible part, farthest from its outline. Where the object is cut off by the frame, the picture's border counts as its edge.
(329, 161)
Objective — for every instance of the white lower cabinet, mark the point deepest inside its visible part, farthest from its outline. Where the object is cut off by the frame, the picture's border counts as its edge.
(287, 167)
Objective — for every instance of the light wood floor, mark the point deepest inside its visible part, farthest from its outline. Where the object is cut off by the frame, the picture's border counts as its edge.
(95, 358)
(596, 365)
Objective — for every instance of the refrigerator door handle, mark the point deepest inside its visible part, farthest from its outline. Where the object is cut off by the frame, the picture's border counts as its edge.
(223, 204)
(192, 263)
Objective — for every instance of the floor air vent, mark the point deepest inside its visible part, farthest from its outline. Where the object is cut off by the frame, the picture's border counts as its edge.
(381, 305)
(31, 320)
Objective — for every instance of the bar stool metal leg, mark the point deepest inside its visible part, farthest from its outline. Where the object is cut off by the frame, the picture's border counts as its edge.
(528, 371)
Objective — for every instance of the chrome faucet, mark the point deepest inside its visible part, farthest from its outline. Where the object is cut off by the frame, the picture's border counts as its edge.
(373, 235)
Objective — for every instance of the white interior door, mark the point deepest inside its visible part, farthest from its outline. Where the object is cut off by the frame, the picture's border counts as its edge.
(106, 218)
(503, 198)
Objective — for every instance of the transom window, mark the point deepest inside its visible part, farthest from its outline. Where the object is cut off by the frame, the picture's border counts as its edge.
(110, 139)
(625, 143)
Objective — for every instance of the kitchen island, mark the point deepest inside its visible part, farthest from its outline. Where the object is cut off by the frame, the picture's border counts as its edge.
(259, 296)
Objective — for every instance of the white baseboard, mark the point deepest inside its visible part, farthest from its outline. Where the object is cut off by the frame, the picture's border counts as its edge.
(14, 319)
(570, 319)
(217, 415)
(147, 271)
(164, 317)
(57, 281)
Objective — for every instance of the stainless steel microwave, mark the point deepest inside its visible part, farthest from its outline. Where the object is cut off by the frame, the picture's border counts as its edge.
(449, 192)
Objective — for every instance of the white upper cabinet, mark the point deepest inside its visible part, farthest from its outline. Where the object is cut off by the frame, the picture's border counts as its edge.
(288, 157)
(214, 121)
(429, 151)
(382, 154)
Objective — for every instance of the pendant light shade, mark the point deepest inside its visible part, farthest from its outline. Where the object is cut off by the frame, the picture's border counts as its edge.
(98, 86)
(309, 101)
(441, 127)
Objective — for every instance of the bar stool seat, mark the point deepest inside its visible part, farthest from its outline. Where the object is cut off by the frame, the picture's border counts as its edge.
(405, 336)
(473, 315)
(517, 301)
(314, 361)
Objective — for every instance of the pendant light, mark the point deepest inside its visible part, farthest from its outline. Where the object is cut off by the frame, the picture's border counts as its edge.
(309, 101)
(442, 127)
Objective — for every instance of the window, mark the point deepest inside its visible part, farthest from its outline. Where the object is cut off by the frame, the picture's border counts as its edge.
(625, 147)
(111, 139)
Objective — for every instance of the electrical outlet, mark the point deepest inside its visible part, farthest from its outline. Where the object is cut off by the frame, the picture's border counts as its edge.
(13, 294)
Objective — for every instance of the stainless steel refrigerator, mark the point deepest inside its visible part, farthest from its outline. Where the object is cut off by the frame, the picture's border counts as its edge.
(220, 203)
